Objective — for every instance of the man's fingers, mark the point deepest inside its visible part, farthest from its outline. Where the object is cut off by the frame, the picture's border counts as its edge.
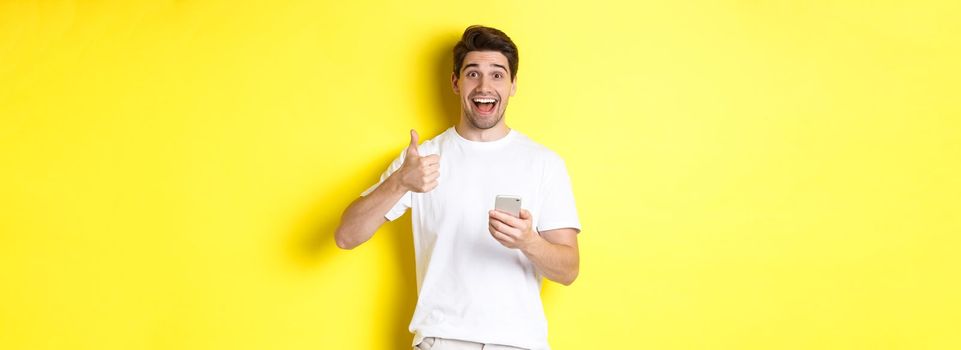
(432, 167)
(429, 166)
(431, 159)
(500, 235)
(524, 214)
(495, 232)
(412, 148)
(502, 227)
(506, 218)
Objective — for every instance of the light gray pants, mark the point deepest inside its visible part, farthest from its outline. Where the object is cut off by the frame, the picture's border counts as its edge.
(434, 343)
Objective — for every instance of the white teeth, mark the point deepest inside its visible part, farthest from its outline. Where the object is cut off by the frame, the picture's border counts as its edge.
(484, 100)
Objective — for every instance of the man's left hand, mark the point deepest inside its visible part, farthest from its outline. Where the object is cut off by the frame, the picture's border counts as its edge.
(512, 232)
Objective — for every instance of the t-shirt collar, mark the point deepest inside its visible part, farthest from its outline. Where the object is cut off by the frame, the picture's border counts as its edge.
(484, 144)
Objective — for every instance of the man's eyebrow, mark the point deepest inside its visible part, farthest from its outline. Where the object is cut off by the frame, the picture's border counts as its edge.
(477, 65)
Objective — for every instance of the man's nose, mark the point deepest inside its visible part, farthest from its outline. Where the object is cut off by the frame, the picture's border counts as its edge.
(485, 85)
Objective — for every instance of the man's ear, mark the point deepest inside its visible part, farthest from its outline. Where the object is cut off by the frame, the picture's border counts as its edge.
(453, 83)
(514, 86)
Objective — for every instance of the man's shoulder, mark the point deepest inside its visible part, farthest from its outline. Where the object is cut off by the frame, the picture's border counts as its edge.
(432, 145)
(536, 149)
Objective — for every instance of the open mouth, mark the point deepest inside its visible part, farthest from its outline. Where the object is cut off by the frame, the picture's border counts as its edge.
(484, 105)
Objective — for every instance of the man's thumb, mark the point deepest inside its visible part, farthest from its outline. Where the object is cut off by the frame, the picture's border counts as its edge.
(412, 149)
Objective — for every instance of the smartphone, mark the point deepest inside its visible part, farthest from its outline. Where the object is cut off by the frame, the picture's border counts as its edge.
(508, 204)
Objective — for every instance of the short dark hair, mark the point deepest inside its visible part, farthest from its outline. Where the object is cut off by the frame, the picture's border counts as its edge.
(481, 38)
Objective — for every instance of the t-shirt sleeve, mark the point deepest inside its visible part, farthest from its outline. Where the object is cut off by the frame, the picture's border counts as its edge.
(558, 210)
(401, 206)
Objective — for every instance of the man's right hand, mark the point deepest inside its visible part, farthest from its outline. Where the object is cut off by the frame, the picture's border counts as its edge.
(418, 174)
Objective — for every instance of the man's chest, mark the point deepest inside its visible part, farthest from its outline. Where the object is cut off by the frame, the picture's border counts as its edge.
(468, 186)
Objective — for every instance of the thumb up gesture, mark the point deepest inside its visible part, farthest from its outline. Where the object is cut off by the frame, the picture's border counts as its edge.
(418, 174)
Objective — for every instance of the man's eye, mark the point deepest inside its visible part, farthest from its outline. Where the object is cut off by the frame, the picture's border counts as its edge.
(497, 75)
(472, 74)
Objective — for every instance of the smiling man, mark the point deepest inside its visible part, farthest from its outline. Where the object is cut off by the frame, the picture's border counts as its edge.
(479, 270)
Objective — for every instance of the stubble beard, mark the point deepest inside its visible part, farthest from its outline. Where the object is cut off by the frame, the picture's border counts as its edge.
(478, 124)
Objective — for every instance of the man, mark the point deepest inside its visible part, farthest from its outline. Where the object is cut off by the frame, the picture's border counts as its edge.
(478, 270)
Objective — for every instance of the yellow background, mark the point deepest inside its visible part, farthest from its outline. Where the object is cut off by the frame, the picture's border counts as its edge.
(749, 174)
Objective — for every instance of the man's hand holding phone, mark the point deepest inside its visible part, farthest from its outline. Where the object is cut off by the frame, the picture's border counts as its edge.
(515, 232)
(418, 174)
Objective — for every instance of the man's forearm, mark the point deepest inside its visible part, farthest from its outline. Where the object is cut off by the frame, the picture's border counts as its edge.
(557, 262)
(366, 214)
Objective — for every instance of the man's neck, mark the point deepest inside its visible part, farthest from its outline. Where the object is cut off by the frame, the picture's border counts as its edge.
(469, 132)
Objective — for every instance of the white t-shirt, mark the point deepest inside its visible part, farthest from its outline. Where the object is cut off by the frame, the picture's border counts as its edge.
(470, 287)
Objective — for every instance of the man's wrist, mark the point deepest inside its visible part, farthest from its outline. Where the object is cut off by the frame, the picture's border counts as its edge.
(533, 243)
(395, 185)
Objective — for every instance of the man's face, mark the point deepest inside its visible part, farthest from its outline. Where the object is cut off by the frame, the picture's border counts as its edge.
(484, 86)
